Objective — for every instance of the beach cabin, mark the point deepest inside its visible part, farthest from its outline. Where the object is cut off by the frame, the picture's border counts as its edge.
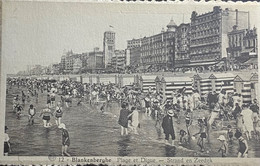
(158, 85)
(93, 79)
(86, 79)
(106, 79)
(247, 86)
(222, 81)
(173, 83)
(242, 86)
(147, 81)
(254, 86)
(202, 83)
(125, 80)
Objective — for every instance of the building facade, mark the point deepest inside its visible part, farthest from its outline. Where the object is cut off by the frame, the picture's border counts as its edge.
(242, 47)
(77, 65)
(95, 60)
(182, 55)
(209, 35)
(134, 48)
(119, 60)
(250, 42)
(108, 47)
(158, 51)
(133, 43)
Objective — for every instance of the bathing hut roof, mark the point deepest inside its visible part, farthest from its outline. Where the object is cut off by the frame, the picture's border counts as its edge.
(242, 77)
(148, 77)
(222, 75)
(201, 76)
(176, 79)
(254, 77)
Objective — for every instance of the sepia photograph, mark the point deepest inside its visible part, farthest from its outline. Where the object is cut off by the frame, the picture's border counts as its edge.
(130, 79)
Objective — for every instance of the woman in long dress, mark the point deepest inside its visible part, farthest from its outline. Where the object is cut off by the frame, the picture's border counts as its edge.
(248, 122)
(123, 119)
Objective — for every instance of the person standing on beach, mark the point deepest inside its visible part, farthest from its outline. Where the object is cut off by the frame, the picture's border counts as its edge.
(135, 119)
(248, 122)
(123, 119)
(31, 114)
(243, 146)
(65, 140)
(46, 116)
(168, 127)
(58, 113)
(7, 146)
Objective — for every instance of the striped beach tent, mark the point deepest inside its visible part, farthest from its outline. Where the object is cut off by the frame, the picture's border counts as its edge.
(242, 85)
(126, 80)
(222, 81)
(202, 83)
(86, 79)
(254, 86)
(170, 84)
(147, 81)
(106, 79)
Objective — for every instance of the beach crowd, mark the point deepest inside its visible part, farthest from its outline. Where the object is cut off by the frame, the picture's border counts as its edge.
(209, 112)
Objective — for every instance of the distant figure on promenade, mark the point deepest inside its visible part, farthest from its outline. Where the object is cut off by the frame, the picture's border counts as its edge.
(65, 140)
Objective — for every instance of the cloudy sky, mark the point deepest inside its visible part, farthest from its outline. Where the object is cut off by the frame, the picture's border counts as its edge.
(39, 32)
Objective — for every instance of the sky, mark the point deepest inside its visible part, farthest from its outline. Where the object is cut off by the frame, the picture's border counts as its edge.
(39, 32)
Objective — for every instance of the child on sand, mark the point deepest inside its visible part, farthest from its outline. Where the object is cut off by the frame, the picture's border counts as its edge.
(230, 134)
(202, 124)
(224, 146)
(188, 120)
(102, 108)
(19, 111)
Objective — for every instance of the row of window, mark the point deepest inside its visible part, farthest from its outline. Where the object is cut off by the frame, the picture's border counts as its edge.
(183, 48)
(181, 57)
(110, 41)
(205, 57)
(207, 25)
(157, 45)
(207, 40)
(206, 18)
(158, 38)
(246, 43)
(204, 33)
(208, 49)
(154, 59)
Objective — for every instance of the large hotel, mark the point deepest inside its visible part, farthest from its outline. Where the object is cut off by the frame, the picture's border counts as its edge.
(217, 40)
(209, 34)
(201, 44)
